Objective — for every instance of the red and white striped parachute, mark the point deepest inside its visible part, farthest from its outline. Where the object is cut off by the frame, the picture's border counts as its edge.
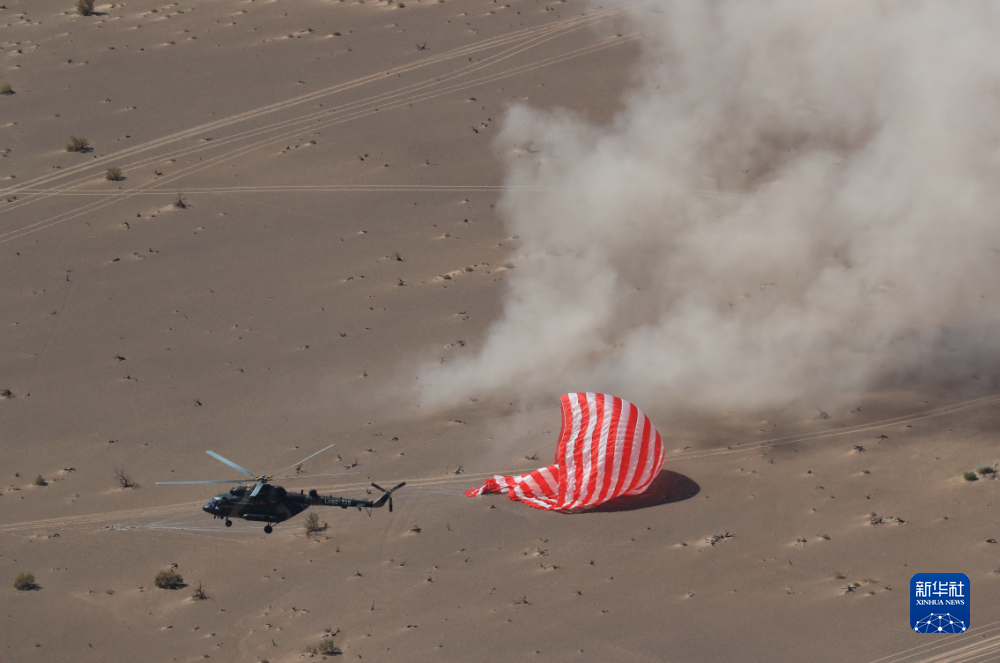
(607, 447)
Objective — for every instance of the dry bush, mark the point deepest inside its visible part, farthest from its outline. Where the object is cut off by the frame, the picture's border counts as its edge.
(84, 7)
(77, 144)
(326, 647)
(114, 174)
(124, 480)
(39, 481)
(24, 582)
(199, 593)
(312, 524)
(168, 579)
(180, 203)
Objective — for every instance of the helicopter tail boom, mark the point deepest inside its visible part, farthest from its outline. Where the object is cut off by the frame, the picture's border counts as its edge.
(344, 502)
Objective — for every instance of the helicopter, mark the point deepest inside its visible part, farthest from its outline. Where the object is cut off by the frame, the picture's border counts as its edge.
(273, 504)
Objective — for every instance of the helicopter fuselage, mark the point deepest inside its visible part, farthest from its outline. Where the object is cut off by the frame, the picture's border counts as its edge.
(273, 504)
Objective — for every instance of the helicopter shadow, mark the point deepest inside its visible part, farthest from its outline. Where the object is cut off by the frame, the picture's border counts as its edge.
(667, 487)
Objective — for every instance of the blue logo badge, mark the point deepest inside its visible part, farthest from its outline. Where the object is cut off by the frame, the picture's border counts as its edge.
(939, 603)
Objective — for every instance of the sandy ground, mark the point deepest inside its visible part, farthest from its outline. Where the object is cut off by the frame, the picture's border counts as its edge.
(337, 161)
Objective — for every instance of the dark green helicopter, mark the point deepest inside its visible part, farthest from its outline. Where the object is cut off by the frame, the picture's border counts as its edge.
(273, 504)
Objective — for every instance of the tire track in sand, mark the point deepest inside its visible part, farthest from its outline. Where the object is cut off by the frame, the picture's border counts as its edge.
(110, 516)
(419, 96)
(526, 35)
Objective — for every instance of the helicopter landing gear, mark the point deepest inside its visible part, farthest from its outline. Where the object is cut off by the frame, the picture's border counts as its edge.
(268, 529)
(229, 523)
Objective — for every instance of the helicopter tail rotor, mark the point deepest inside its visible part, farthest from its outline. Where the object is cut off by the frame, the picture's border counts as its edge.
(386, 495)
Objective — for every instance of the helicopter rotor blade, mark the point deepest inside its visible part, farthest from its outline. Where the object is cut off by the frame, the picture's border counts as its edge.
(179, 483)
(260, 484)
(303, 460)
(309, 476)
(232, 464)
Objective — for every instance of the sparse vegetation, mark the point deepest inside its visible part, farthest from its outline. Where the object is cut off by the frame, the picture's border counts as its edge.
(985, 469)
(313, 525)
(39, 481)
(5, 88)
(77, 144)
(180, 203)
(825, 537)
(715, 538)
(84, 7)
(876, 519)
(168, 579)
(970, 476)
(24, 581)
(6, 393)
(326, 647)
(124, 480)
(114, 174)
(199, 593)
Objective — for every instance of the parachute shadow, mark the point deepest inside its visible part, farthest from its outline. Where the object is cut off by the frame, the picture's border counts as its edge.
(667, 487)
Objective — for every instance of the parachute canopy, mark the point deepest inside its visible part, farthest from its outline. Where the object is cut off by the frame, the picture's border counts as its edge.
(607, 447)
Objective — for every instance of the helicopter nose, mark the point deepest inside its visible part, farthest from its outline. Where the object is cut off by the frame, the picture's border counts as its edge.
(210, 507)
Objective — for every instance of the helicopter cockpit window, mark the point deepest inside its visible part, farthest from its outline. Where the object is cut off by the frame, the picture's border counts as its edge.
(238, 491)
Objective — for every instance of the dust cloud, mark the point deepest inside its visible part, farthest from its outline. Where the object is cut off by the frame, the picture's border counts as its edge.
(800, 201)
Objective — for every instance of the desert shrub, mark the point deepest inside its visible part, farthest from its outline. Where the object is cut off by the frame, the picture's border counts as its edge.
(24, 582)
(313, 525)
(168, 579)
(114, 174)
(970, 476)
(124, 480)
(327, 648)
(199, 593)
(985, 469)
(180, 203)
(39, 481)
(5, 88)
(84, 7)
(77, 144)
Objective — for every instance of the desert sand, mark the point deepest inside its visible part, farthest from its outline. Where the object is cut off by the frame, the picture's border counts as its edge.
(339, 175)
